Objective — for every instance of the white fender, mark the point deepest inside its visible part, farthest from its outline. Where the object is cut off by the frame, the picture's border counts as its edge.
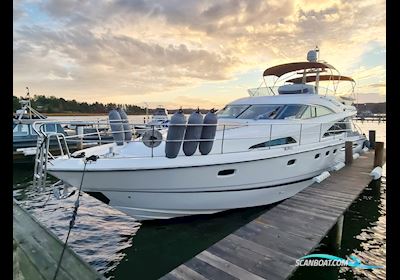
(376, 173)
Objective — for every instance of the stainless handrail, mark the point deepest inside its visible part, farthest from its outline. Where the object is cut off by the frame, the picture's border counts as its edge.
(38, 127)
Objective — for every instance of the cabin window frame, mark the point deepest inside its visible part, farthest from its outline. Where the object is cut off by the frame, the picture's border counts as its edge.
(267, 145)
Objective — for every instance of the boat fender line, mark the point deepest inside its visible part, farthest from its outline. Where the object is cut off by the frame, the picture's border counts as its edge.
(321, 177)
(125, 124)
(193, 133)
(208, 132)
(74, 213)
(176, 131)
(116, 127)
(356, 156)
(376, 173)
(338, 166)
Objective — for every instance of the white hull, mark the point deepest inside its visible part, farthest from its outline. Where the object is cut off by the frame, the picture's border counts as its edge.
(161, 205)
(173, 192)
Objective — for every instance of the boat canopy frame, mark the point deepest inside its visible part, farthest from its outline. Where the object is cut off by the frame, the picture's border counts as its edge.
(281, 70)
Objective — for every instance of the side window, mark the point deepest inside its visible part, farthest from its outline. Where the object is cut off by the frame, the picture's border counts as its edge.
(59, 128)
(50, 127)
(275, 142)
(337, 128)
(322, 111)
(21, 130)
(291, 111)
(307, 113)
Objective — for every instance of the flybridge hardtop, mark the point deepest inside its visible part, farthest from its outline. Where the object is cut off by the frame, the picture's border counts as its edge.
(255, 151)
(282, 69)
(295, 78)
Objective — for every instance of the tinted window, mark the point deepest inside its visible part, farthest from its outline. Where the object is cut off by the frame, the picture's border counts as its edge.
(50, 127)
(291, 111)
(261, 112)
(275, 142)
(232, 111)
(21, 130)
(59, 128)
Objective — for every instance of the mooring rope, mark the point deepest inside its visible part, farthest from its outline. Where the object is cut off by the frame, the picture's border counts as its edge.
(74, 213)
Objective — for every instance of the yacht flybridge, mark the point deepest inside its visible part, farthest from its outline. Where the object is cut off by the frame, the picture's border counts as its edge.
(257, 150)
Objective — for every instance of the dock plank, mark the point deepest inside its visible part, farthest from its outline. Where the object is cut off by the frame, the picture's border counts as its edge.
(37, 252)
(268, 246)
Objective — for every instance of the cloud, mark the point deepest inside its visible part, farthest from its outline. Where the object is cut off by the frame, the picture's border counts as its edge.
(138, 47)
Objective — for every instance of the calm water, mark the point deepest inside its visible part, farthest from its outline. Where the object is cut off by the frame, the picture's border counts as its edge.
(122, 248)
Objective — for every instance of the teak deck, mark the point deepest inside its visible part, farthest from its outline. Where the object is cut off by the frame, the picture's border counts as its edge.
(268, 247)
(37, 252)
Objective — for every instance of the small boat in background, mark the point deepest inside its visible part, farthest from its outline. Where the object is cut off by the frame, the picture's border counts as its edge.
(159, 120)
(24, 136)
(80, 133)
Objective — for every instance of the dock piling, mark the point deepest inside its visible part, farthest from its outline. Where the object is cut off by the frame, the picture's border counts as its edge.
(378, 158)
(348, 152)
(371, 138)
(339, 232)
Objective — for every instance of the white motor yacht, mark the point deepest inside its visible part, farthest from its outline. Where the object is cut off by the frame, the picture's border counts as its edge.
(266, 147)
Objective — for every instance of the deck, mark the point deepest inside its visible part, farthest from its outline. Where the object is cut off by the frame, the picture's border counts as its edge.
(36, 252)
(268, 247)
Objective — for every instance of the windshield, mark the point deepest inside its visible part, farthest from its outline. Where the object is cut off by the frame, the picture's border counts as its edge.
(261, 112)
(232, 111)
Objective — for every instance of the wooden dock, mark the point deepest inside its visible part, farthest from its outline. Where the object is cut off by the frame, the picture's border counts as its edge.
(268, 247)
(36, 252)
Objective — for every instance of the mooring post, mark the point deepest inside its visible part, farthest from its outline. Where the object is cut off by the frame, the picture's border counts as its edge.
(339, 232)
(378, 157)
(348, 152)
(79, 132)
(371, 138)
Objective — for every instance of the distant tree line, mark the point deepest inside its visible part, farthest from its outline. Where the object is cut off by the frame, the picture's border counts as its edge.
(53, 104)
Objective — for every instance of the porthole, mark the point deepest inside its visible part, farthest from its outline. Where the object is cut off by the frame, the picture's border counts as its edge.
(290, 162)
(226, 172)
(327, 153)
(317, 155)
(334, 151)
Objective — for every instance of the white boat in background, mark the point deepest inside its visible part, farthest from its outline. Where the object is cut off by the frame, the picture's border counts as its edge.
(159, 117)
(159, 120)
(263, 149)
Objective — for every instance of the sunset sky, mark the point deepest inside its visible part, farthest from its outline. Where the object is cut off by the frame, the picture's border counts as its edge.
(188, 52)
